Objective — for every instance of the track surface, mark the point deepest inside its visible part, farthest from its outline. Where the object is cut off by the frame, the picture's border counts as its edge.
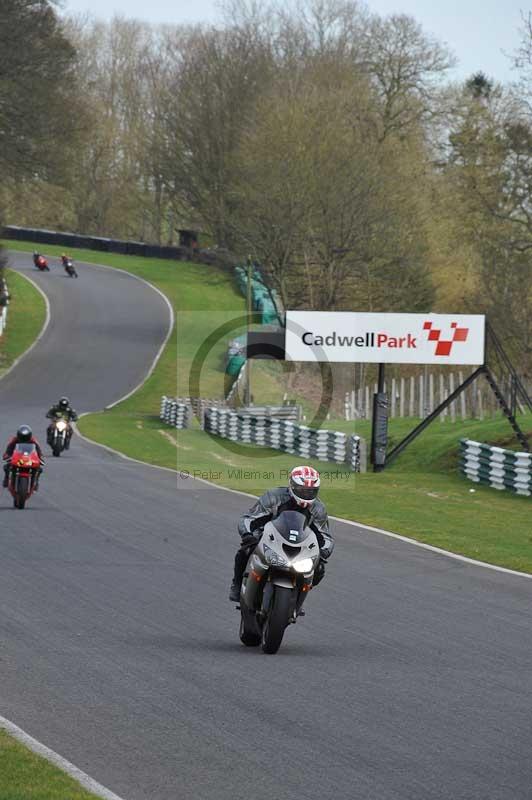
(409, 679)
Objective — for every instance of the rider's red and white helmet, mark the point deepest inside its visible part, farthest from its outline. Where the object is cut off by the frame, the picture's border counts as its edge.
(304, 485)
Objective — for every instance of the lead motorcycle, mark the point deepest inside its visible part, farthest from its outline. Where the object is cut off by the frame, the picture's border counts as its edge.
(41, 263)
(277, 579)
(23, 476)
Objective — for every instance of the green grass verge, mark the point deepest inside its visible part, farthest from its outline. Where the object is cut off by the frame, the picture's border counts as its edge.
(421, 496)
(25, 317)
(26, 776)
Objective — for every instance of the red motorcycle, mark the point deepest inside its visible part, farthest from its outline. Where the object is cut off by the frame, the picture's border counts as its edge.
(23, 473)
(41, 263)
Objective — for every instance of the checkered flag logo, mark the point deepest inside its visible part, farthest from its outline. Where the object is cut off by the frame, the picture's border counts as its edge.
(444, 346)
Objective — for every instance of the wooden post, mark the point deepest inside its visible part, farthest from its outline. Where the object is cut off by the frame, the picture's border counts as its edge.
(412, 396)
(463, 407)
(452, 407)
(431, 393)
(442, 396)
(392, 399)
(402, 399)
(421, 397)
(366, 403)
(479, 404)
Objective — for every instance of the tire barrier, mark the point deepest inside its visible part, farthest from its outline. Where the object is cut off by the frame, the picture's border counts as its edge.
(288, 436)
(3, 319)
(175, 413)
(496, 467)
(290, 412)
(279, 434)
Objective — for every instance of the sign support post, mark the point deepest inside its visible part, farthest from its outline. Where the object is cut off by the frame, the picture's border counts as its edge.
(379, 424)
(247, 390)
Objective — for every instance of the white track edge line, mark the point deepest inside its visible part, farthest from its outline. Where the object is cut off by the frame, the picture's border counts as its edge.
(41, 332)
(369, 528)
(54, 758)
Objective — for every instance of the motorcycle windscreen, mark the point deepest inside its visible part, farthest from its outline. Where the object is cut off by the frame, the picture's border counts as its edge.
(25, 447)
(292, 526)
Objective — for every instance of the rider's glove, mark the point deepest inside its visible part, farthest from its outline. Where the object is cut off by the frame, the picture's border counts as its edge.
(248, 540)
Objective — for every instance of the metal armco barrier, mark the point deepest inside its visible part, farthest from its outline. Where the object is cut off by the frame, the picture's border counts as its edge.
(493, 466)
(287, 436)
(174, 413)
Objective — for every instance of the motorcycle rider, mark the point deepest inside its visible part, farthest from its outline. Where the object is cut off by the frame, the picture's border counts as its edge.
(65, 261)
(61, 409)
(40, 261)
(23, 434)
(301, 494)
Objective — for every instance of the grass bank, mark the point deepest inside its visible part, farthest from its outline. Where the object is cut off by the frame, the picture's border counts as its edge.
(26, 776)
(421, 496)
(25, 317)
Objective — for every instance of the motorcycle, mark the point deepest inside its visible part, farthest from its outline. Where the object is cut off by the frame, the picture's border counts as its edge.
(277, 579)
(41, 263)
(59, 436)
(23, 473)
(70, 268)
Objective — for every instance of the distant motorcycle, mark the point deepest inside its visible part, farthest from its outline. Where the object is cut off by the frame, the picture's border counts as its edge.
(69, 267)
(41, 263)
(23, 473)
(277, 579)
(59, 433)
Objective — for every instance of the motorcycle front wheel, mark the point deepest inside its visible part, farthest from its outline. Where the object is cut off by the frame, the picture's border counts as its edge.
(277, 619)
(22, 493)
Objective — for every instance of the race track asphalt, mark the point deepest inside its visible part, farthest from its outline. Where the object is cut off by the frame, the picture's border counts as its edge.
(410, 677)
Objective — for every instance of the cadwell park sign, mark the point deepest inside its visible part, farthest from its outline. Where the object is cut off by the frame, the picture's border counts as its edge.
(384, 338)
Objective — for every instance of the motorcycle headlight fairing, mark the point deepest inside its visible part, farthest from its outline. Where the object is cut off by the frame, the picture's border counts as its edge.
(303, 565)
(274, 559)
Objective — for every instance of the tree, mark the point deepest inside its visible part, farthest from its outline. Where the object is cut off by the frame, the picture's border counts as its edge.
(327, 208)
(406, 66)
(37, 91)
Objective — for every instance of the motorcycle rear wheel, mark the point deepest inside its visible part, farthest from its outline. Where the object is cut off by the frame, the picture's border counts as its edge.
(277, 620)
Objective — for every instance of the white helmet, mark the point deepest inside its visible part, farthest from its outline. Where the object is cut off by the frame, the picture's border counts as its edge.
(304, 485)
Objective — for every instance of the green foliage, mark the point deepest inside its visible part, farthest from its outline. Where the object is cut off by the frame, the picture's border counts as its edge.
(37, 92)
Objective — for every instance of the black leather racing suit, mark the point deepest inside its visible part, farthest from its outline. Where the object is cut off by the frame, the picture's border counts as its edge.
(268, 507)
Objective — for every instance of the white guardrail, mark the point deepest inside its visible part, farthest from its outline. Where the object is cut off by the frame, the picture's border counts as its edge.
(496, 467)
(279, 434)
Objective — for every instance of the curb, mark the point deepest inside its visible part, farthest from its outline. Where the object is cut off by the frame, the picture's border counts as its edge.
(54, 758)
